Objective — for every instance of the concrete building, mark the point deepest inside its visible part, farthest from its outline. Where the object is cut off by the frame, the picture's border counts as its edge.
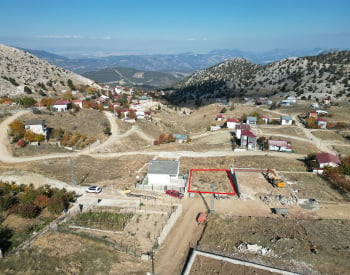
(163, 175)
(37, 126)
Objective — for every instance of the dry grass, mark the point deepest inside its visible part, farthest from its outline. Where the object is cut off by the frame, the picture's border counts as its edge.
(292, 241)
(87, 121)
(314, 186)
(71, 254)
(206, 265)
(118, 173)
(328, 135)
(202, 181)
(282, 130)
(343, 150)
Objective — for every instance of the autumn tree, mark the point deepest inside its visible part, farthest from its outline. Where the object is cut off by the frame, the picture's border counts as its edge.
(16, 128)
(33, 137)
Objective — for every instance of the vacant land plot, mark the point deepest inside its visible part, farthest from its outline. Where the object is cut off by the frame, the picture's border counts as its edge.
(87, 121)
(118, 173)
(313, 186)
(343, 150)
(206, 265)
(297, 245)
(42, 149)
(280, 130)
(253, 185)
(68, 253)
(211, 181)
(328, 135)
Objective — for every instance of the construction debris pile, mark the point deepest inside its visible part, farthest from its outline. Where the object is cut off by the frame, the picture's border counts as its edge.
(245, 247)
(278, 199)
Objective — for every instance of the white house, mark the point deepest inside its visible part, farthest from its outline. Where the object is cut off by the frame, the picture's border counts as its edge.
(61, 105)
(279, 145)
(326, 159)
(251, 120)
(231, 123)
(163, 175)
(239, 128)
(286, 120)
(321, 122)
(265, 118)
(78, 102)
(37, 126)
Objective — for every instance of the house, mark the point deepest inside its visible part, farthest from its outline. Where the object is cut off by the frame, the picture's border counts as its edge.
(248, 139)
(265, 119)
(214, 128)
(239, 128)
(37, 126)
(286, 120)
(163, 175)
(314, 105)
(180, 138)
(312, 114)
(321, 122)
(61, 105)
(231, 123)
(325, 160)
(279, 145)
(289, 101)
(251, 120)
(220, 117)
(140, 114)
(321, 113)
(327, 101)
(144, 99)
(78, 102)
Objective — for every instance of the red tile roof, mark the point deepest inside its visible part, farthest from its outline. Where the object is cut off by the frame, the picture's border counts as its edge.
(279, 143)
(243, 126)
(327, 158)
(321, 119)
(61, 102)
(233, 120)
(248, 133)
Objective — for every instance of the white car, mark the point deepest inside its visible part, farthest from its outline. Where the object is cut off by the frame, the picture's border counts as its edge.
(93, 189)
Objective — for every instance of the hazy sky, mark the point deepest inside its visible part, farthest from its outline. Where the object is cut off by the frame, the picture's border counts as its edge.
(173, 26)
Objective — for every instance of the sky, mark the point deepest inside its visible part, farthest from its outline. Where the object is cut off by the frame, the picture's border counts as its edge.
(102, 27)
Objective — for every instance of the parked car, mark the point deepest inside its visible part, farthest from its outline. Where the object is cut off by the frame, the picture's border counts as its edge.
(93, 189)
(174, 193)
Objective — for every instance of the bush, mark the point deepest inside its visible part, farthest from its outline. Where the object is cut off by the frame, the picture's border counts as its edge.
(56, 204)
(42, 201)
(28, 210)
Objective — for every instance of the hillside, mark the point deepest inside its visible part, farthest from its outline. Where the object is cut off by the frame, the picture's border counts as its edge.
(129, 76)
(24, 73)
(305, 77)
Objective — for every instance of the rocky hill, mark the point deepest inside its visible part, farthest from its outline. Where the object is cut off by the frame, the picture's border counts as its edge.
(24, 73)
(305, 77)
(133, 77)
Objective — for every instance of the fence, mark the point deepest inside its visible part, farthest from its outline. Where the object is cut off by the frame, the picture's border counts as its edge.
(170, 223)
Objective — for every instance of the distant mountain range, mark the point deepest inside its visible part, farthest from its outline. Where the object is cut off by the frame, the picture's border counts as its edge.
(133, 77)
(312, 77)
(184, 62)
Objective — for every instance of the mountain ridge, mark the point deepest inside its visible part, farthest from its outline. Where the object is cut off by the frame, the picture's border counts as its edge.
(304, 77)
(24, 73)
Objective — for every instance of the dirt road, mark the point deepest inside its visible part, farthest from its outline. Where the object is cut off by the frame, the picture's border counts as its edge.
(172, 253)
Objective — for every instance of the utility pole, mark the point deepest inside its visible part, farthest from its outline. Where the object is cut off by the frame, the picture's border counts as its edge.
(72, 172)
(212, 187)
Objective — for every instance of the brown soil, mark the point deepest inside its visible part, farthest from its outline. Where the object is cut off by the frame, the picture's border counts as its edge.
(308, 243)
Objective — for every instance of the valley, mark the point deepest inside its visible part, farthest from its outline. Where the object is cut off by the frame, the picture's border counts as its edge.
(256, 131)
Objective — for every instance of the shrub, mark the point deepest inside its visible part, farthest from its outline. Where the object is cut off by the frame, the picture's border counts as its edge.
(28, 210)
(42, 201)
(56, 204)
